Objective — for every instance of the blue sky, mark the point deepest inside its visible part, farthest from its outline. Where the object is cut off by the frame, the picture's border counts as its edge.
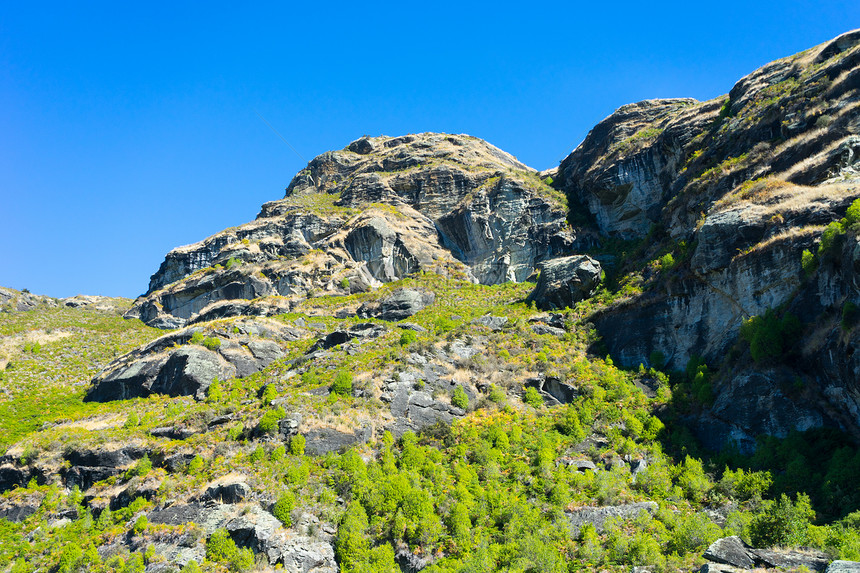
(128, 130)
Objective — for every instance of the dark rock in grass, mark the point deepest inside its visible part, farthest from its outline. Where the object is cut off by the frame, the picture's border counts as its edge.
(17, 512)
(320, 441)
(730, 551)
(174, 366)
(597, 516)
(565, 281)
(400, 304)
(494, 323)
(228, 492)
(546, 329)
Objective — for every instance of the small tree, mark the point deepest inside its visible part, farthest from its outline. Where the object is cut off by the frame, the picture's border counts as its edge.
(283, 508)
(342, 384)
(783, 522)
(460, 399)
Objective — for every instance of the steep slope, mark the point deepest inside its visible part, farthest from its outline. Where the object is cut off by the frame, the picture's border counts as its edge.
(733, 190)
(378, 210)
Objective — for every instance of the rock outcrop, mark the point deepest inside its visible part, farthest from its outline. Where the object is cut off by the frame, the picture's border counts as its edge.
(379, 210)
(736, 189)
(185, 362)
(565, 281)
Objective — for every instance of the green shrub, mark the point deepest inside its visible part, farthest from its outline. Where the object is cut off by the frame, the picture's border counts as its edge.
(570, 425)
(351, 546)
(140, 525)
(212, 343)
(808, 262)
(215, 392)
(196, 337)
(850, 315)
(783, 522)
(278, 454)
(459, 398)
(533, 398)
(344, 283)
(853, 214)
(70, 558)
(297, 445)
(268, 424)
(497, 395)
(283, 507)
(232, 262)
(132, 421)
(191, 567)
(222, 549)
(408, 337)
(830, 239)
(140, 469)
(769, 336)
(195, 465)
(667, 262)
(258, 455)
(342, 384)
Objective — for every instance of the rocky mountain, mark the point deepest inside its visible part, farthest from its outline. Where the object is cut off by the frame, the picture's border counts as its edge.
(428, 356)
(381, 209)
(739, 187)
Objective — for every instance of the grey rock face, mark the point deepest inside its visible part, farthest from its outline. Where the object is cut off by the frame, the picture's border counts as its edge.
(169, 365)
(730, 551)
(429, 202)
(841, 566)
(565, 281)
(400, 304)
(320, 441)
(597, 516)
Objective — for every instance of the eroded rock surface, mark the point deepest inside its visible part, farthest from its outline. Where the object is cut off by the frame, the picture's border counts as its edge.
(377, 211)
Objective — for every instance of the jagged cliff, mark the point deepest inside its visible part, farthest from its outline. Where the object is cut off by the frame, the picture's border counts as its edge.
(737, 187)
(378, 210)
(734, 189)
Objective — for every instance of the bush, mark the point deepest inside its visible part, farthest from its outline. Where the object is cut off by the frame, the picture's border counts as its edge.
(808, 262)
(140, 525)
(278, 454)
(497, 395)
(297, 445)
(351, 546)
(258, 455)
(342, 384)
(283, 508)
(212, 343)
(770, 337)
(853, 214)
(569, 424)
(140, 469)
(408, 337)
(69, 558)
(222, 549)
(459, 398)
(850, 315)
(783, 522)
(344, 283)
(268, 424)
(532, 397)
(830, 239)
(191, 567)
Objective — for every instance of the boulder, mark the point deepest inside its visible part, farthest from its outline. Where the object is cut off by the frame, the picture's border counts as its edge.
(494, 323)
(565, 281)
(597, 516)
(400, 304)
(730, 551)
(841, 566)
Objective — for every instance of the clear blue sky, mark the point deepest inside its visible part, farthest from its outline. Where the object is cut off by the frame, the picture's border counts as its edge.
(126, 130)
